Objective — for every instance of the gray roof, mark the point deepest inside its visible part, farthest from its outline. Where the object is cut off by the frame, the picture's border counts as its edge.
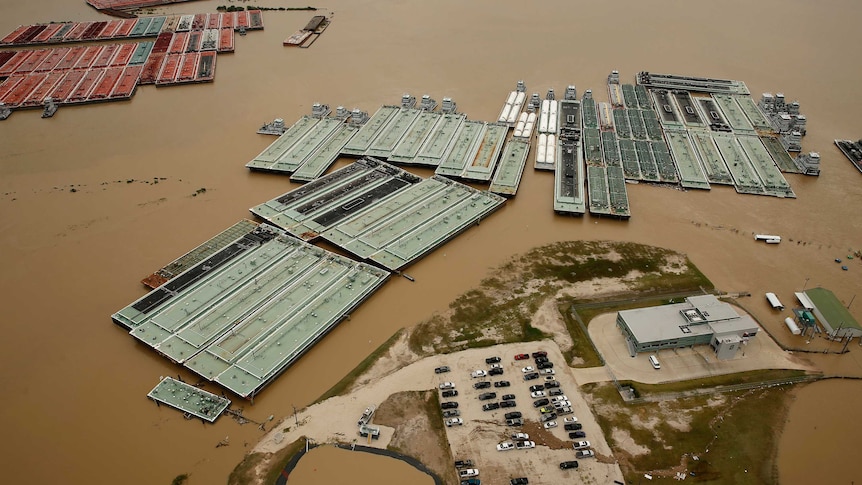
(698, 315)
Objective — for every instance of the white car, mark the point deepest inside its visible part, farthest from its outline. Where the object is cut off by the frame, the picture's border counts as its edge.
(559, 398)
(536, 394)
(478, 373)
(579, 445)
(528, 369)
(571, 419)
(520, 436)
(454, 422)
(550, 424)
(564, 410)
(506, 446)
(562, 404)
(447, 385)
(496, 366)
(525, 445)
(468, 472)
(549, 372)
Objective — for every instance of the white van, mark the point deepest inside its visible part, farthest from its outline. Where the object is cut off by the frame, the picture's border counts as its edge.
(654, 361)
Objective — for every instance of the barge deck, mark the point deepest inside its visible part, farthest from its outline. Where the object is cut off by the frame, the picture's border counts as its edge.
(508, 175)
(380, 213)
(244, 315)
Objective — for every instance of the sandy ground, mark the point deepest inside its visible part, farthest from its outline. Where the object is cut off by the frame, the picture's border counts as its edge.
(335, 419)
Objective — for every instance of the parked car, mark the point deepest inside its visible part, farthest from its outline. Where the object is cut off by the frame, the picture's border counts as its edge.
(539, 360)
(519, 481)
(478, 373)
(491, 406)
(447, 385)
(450, 413)
(522, 357)
(496, 371)
(471, 481)
(540, 402)
(561, 404)
(580, 445)
(548, 417)
(540, 353)
(551, 384)
(508, 397)
(495, 366)
(468, 472)
(463, 463)
(449, 405)
(508, 404)
(502, 384)
(449, 393)
(568, 464)
(513, 415)
(442, 369)
(482, 385)
(577, 434)
(559, 398)
(531, 376)
(555, 391)
(537, 394)
(546, 409)
(487, 395)
(572, 426)
(550, 424)
(571, 419)
(454, 422)
(548, 371)
(528, 369)
(545, 365)
(549, 378)
(564, 410)
(506, 446)
(520, 436)
(515, 422)
(492, 360)
(584, 454)
(525, 445)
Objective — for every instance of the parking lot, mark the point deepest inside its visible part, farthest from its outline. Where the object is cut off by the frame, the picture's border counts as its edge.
(477, 438)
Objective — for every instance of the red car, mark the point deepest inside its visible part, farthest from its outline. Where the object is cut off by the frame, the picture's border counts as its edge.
(522, 357)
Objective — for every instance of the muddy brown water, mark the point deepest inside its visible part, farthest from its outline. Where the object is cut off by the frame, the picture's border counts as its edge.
(74, 385)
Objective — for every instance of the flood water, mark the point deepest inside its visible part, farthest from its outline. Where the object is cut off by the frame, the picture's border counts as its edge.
(74, 408)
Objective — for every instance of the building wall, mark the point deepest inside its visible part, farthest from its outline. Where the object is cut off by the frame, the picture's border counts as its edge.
(680, 342)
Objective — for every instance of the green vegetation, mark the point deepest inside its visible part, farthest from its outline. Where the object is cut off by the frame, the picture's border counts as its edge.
(501, 309)
(749, 377)
(728, 434)
(244, 472)
(357, 371)
(582, 346)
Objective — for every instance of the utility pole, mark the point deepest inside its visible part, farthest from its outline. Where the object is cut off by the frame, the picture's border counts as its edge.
(806, 283)
(851, 302)
(294, 416)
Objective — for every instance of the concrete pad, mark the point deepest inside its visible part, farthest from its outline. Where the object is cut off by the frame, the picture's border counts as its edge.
(760, 352)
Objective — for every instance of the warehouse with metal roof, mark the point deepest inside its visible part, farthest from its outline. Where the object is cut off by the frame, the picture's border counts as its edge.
(699, 320)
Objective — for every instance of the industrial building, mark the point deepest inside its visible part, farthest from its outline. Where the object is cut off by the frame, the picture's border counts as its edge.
(836, 320)
(699, 320)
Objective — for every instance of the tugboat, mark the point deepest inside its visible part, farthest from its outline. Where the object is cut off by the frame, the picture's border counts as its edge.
(449, 106)
(276, 127)
(428, 103)
(408, 101)
(4, 111)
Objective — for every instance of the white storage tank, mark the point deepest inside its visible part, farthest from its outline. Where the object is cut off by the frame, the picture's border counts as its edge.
(792, 326)
(543, 122)
(542, 149)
